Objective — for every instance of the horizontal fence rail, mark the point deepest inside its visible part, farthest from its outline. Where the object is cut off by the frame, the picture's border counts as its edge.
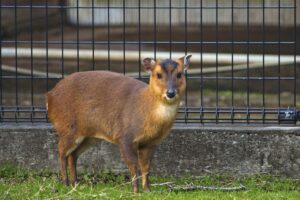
(244, 68)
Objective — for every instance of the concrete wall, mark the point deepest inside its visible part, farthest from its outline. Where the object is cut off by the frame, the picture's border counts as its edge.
(188, 150)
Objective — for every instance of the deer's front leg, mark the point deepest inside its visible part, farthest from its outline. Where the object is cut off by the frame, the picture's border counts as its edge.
(129, 154)
(145, 155)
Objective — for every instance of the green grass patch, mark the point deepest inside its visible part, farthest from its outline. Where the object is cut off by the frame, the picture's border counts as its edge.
(18, 183)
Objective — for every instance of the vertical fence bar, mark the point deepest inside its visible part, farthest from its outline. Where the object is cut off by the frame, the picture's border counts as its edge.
(185, 51)
(217, 61)
(93, 33)
(263, 70)
(77, 34)
(108, 35)
(16, 58)
(248, 52)
(295, 53)
(279, 53)
(1, 74)
(155, 30)
(232, 59)
(170, 27)
(47, 47)
(139, 37)
(185, 28)
(62, 10)
(201, 62)
(124, 38)
(47, 54)
(31, 60)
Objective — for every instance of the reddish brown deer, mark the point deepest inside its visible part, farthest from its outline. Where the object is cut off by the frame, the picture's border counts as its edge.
(119, 109)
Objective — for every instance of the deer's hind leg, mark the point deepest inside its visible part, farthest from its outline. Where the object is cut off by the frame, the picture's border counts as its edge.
(63, 162)
(72, 162)
(66, 147)
(73, 157)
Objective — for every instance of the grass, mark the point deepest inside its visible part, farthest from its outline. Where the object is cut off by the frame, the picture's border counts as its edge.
(18, 183)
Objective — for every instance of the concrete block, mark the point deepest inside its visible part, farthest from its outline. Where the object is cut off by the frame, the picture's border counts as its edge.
(188, 150)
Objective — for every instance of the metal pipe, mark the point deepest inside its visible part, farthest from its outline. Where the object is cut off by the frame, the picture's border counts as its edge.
(208, 70)
(117, 55)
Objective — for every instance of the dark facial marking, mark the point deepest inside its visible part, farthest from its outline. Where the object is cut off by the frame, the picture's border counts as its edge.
(165, 64)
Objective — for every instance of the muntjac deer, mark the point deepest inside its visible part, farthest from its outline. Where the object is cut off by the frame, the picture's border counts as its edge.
(119, 109)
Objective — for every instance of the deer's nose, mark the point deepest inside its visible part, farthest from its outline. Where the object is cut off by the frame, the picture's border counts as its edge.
(171, 93)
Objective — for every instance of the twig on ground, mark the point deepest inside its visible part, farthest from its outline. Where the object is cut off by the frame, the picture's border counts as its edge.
(161, 184)
(191, 186)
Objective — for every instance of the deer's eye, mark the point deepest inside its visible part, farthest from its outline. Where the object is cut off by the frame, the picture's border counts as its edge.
(179, 75)
(159, 76)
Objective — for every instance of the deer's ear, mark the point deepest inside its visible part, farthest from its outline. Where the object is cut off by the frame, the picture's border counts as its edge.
(148, 64)
(185, 60)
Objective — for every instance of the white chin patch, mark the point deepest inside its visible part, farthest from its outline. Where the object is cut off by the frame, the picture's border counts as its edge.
(170, 100)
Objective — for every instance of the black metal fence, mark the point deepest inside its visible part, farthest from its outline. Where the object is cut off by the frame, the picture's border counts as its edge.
(243, 70)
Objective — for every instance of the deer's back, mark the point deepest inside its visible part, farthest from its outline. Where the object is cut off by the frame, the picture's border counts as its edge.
(96, 102)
